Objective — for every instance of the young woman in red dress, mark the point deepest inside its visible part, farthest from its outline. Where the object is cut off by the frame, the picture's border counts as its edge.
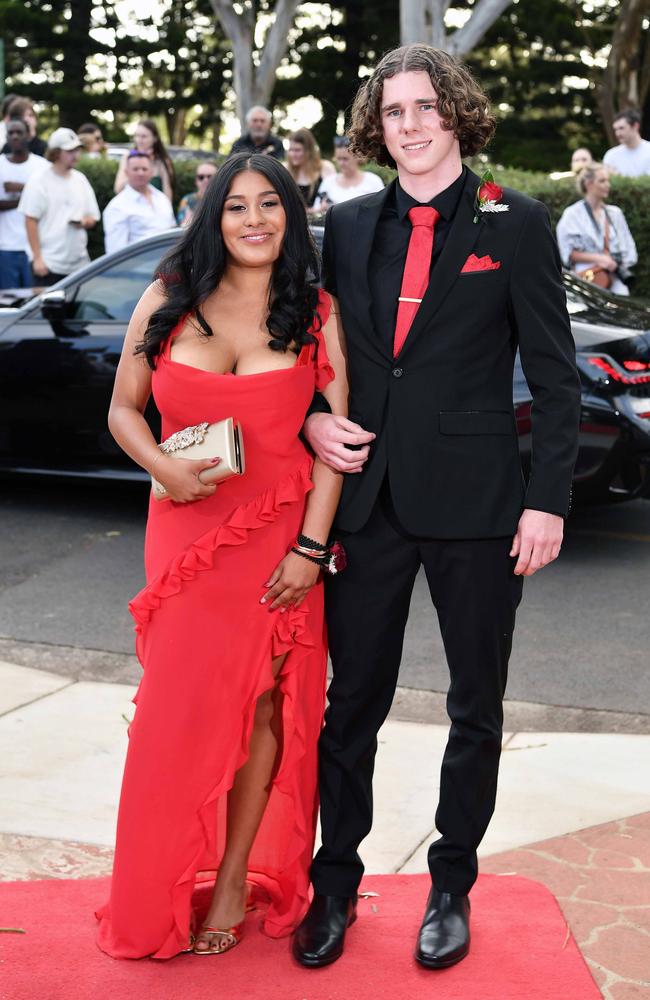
(220, 774)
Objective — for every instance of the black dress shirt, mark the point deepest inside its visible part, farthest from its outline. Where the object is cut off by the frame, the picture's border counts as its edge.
(390, 245)
(272, 145)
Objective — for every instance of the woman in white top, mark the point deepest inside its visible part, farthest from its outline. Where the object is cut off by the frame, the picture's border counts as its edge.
(146, 139)
(351, 181)
(594, 238)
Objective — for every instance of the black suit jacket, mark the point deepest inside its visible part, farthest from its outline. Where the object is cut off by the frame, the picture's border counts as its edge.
(442, 410)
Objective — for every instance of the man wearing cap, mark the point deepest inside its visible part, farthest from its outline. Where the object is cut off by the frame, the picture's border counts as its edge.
(59, 206)
(139, 210)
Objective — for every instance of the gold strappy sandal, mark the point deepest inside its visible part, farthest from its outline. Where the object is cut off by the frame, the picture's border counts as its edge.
(225, 939)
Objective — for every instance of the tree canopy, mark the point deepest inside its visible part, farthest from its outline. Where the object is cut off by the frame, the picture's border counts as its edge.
(555, 70)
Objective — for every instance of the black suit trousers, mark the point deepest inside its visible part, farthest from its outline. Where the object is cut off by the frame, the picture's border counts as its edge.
(475, 594)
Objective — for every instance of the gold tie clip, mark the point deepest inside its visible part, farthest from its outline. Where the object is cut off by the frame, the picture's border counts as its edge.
(403, 298)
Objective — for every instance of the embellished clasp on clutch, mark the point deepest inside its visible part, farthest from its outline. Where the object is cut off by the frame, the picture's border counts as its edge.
(205, 441)
(185, 438)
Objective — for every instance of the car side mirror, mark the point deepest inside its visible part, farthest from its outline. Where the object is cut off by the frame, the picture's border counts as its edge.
(53, 304)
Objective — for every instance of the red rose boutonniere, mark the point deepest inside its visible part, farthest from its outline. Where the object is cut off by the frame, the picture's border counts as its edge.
(488, 196)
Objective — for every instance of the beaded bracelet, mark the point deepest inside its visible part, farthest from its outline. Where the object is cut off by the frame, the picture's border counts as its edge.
(310, 543)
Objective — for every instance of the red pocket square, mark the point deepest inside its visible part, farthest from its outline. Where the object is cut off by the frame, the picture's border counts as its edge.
(474, 263)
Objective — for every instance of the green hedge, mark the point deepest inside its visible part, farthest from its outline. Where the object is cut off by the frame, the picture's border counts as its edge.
(632, 195)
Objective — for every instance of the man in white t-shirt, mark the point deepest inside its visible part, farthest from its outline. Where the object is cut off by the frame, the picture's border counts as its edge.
(631, 158)
(139, 210)
(16, 167)
(59, 206)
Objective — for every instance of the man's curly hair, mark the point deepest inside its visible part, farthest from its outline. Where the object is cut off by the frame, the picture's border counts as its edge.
(462, 105)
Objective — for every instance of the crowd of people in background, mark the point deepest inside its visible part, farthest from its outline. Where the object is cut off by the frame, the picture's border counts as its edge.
(47, 206)
(593, 236)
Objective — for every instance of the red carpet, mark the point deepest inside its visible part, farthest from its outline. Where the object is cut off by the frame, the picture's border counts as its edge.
(520, 951)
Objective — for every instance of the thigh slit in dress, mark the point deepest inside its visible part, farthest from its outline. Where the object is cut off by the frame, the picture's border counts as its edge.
(206, 646)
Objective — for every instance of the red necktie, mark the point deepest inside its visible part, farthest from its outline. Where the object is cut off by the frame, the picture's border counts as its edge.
(416, 271)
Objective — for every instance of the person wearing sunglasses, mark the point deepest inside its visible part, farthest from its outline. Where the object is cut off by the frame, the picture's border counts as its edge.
(190, 202)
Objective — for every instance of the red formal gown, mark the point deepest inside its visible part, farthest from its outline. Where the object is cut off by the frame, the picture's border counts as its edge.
(206, 645)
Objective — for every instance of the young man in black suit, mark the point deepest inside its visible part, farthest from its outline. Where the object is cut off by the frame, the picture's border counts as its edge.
(440, 279)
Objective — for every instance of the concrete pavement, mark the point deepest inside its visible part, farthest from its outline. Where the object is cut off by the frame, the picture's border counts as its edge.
(62, 743)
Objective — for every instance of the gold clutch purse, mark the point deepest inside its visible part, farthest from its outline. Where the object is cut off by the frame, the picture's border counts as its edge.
(223, 438)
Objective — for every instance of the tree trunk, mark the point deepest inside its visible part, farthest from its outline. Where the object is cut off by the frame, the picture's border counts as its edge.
(424, 21)
(179, 130)
(625, 83)
(412, 21)
(253, 84)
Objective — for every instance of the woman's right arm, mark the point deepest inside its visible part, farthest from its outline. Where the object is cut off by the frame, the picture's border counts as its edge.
(120, 179)
(126, 420)
(39, 267)
(601, 259)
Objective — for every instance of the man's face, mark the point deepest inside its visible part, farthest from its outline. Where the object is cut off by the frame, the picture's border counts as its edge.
(17, 136)
(69, 157)
(259, 126)
(413, 129)
(623, 131)
(139, 172)
(203, 176)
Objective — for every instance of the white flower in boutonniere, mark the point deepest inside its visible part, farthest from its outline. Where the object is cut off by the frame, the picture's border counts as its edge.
(488, 196)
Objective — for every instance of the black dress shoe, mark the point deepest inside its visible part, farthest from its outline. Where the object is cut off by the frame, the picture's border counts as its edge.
(320, 937)
(444, 935)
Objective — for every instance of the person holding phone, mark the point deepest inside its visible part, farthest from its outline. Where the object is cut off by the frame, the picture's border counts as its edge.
(59, 206)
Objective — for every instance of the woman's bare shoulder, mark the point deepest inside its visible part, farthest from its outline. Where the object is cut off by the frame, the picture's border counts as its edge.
(334, 304)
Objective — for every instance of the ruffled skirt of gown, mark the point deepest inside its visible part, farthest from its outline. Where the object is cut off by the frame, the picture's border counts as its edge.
(206, 644)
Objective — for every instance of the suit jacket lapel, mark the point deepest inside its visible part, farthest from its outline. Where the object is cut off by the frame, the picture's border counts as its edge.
(368, 213)
(460, 242)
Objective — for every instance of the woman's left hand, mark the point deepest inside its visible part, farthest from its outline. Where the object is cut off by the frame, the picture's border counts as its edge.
(290, 582)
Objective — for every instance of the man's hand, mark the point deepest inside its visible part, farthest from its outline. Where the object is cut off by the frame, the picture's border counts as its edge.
(329, 437)
(86, 222)
(537, 542)
(39, 267)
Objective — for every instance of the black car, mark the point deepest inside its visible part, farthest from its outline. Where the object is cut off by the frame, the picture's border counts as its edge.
(59, 352)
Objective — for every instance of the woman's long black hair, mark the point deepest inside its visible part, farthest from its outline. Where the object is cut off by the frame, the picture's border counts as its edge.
(192, 270)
